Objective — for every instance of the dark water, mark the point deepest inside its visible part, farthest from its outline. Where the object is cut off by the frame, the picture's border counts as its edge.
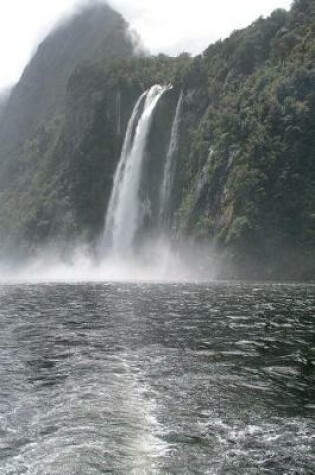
(157, 379)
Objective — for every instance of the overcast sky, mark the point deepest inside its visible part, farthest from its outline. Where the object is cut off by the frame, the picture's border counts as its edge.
(169, 26)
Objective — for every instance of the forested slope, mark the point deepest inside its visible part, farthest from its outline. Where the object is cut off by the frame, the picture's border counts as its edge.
(245, 164)
(251, 167)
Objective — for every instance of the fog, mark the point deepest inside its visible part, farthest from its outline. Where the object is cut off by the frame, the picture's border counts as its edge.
(157, 261)
(4, 96)
(24, 24)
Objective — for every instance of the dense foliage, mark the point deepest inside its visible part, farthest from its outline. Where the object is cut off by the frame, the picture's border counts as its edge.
(251, 167)
(245, 166)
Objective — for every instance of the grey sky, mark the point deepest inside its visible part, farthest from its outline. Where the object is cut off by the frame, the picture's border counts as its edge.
(169, 26)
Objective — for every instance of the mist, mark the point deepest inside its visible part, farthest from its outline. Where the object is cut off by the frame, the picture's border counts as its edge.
(155, 23)
(158, 260)
(4, 96)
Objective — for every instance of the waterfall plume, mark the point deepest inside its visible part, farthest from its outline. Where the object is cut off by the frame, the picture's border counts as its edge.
(123, 217)
(129, 248)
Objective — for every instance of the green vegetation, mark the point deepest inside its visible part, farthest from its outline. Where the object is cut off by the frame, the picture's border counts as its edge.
(251, 163)
(245, 173)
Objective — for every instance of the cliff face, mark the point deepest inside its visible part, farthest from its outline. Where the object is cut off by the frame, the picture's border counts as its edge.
(95, 34)
(250, 178)
(245, 162)
(36, 123)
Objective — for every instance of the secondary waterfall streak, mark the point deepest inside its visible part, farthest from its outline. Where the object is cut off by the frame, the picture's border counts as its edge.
(123, 215)
(168, 175)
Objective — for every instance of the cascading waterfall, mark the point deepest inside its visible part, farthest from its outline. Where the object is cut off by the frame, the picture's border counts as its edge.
(168, 174)
(120, 255)
(124, 210)
(118, 111)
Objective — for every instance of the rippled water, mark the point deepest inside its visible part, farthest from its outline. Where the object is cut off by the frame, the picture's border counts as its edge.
(156, 379)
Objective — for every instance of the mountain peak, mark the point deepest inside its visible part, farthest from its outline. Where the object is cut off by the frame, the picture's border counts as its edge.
(95, 33)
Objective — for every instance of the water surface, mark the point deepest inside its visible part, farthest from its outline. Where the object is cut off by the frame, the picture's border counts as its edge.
(156, 379)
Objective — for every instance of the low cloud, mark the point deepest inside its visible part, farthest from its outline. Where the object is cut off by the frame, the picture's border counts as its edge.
(165, 26)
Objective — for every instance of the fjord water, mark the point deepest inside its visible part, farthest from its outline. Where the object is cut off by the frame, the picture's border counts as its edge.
(156, 379)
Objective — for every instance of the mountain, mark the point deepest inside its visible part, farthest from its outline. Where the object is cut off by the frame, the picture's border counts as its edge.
(250, 176)
(34, 115)
(244, 178)
(94, 34)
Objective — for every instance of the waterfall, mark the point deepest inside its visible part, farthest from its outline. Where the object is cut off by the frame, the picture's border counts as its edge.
(168, 174)
(118, 111)
(123, 216)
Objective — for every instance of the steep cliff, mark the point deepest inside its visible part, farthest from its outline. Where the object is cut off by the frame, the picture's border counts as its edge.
(37, 120)
(94, 34)
(250, 173)
(244, 176)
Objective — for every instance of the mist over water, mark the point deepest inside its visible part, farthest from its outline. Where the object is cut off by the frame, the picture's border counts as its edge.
(159, 260)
